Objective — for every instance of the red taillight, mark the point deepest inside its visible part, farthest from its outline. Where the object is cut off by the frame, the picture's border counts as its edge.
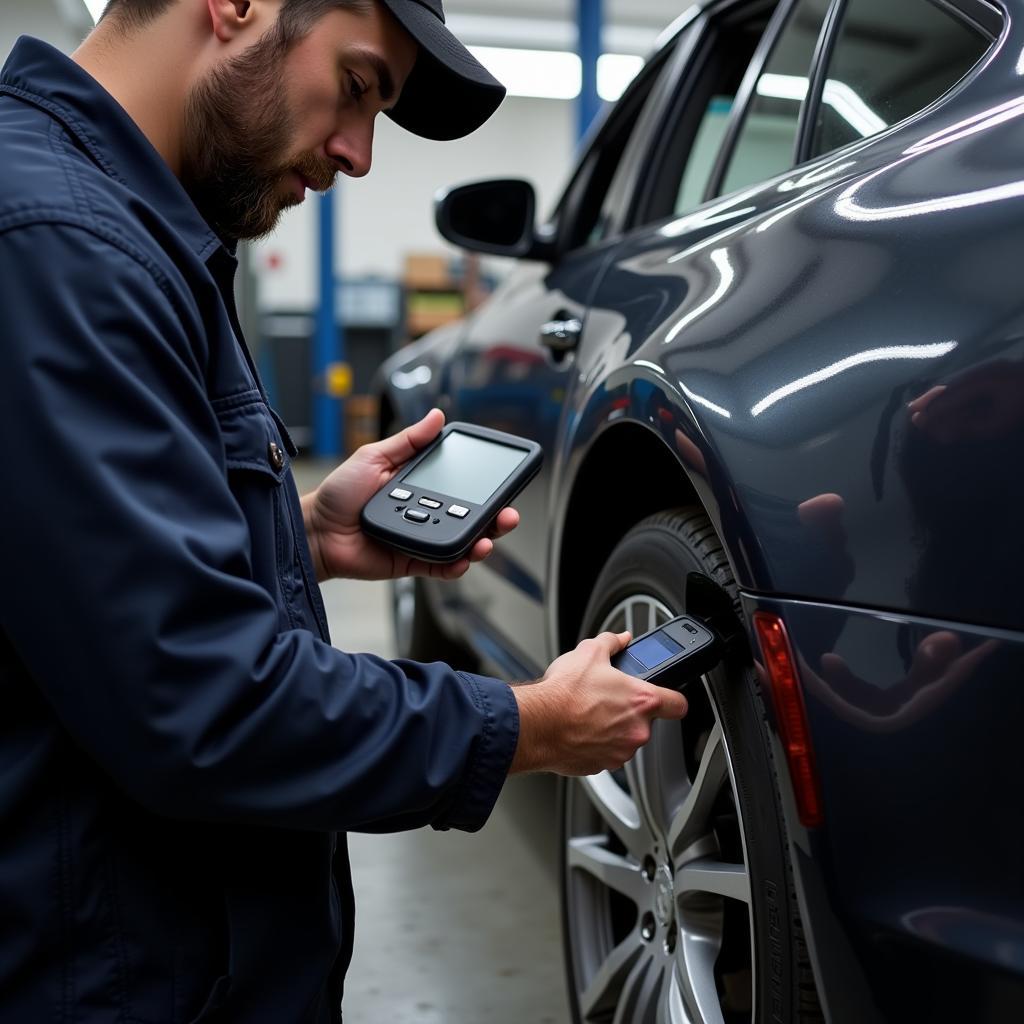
(792, 718)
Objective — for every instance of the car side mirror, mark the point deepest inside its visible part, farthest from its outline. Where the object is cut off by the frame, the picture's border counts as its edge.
(494, 217)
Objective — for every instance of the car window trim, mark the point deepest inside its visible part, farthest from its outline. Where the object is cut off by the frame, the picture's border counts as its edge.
(823, 51)
(823, 58)
(627, 181)
(678, 84)
(561, 226)
(985, 18)
(684, 87)
(745, 94)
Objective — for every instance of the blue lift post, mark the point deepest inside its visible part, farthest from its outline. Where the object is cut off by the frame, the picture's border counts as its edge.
(590, 18)
(328, 345)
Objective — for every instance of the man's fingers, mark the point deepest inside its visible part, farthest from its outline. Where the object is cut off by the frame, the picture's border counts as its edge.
(481, 549)
(612, 643)
(401, 447)
(671, 703)
(505, 522)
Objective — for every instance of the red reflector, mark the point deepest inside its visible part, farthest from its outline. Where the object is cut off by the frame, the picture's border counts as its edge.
(792, 718)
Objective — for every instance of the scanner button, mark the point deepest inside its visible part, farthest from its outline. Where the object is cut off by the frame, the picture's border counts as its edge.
(430, 503)
(458, 511)
(401, 494)
(414, 515)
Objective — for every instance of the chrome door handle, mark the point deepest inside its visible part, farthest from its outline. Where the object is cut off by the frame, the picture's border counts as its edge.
(562, 334)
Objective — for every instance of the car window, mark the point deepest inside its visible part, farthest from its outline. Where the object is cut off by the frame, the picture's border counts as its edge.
(890, 60)
(709, 139)
(696, 122)
(766, 144)
(584, 214)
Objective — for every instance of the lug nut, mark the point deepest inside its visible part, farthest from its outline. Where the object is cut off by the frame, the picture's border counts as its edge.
(649, 868)
(670, 940)
(647, 927)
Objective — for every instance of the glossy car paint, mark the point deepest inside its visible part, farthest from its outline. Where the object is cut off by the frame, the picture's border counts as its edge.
(914, 882)
(768, 346)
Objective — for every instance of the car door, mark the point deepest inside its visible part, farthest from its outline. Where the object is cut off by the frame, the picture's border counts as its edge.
(519, 355)
(711, 290)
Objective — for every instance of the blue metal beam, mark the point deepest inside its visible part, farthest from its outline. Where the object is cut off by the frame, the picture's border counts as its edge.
(590, 18)
(328, 344)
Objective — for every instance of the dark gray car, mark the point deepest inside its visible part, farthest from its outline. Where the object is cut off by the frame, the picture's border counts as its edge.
(772, 341)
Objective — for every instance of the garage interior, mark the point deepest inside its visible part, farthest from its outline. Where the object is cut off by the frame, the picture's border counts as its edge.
(745, 392)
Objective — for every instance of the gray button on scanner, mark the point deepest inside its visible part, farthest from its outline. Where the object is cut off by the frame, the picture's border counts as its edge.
(414, 515)
(458, 511)
(430, 503)
(401, 494)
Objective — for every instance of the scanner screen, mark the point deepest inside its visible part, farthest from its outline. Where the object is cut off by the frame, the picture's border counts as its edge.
(466, 467)
(654, 650)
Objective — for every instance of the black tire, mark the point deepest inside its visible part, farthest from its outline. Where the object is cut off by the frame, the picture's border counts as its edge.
(760, 970)
(418, 635)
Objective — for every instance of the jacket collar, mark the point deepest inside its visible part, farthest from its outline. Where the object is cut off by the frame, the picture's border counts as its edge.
(42, 75)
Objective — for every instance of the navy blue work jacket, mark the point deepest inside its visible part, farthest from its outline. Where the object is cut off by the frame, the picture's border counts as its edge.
(181, 749)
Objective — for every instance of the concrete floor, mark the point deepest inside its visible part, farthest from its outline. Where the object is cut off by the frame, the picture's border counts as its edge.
(451, 928)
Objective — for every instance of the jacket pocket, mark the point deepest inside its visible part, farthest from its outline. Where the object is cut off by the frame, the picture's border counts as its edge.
(252, 440)
(257, 454)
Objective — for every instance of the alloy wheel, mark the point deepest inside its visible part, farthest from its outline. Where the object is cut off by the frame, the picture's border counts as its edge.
(658, 901)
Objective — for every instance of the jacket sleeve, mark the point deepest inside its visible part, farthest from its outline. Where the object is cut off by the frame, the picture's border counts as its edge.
(127, 590)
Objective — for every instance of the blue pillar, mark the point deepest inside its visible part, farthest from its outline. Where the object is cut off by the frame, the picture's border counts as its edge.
(590, 17)
(328, 344)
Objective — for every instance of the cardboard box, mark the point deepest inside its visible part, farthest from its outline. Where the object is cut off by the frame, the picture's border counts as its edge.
(427, 270)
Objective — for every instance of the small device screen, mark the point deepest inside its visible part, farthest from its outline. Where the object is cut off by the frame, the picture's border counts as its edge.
(654, 650)
(466, 467)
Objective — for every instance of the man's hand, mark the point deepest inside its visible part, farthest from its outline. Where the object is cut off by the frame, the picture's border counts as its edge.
(584, 716)
(331, 513)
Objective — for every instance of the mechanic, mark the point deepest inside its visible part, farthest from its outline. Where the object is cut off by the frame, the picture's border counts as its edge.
(181, 749)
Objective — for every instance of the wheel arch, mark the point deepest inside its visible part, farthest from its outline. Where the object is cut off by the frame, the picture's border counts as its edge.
(658, 481)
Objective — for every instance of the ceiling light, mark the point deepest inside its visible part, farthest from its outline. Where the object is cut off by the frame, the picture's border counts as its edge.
(544, 74)
(556, 74)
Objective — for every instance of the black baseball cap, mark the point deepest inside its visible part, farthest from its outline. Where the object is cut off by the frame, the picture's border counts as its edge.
(449, 92)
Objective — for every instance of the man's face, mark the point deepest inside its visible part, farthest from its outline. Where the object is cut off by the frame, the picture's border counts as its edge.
(266, 124)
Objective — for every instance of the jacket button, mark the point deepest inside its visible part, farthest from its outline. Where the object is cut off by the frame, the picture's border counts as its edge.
(276, 456)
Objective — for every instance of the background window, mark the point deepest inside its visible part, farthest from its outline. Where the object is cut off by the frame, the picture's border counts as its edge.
(892, 58)
(767, 141)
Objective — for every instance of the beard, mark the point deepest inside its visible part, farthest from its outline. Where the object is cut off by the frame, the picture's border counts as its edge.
(234, 160)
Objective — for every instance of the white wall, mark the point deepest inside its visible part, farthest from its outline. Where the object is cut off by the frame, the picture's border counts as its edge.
(60, 22)
(390, 212)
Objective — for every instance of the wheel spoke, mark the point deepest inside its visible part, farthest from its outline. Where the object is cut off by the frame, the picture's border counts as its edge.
(658, 616)
(640, 993)
(691, 821)
(618, 809)
(656, 775)
(602, 994)
(671, 1009)
(630, 622)
(714, 876)
(590, 854)
(697, 989)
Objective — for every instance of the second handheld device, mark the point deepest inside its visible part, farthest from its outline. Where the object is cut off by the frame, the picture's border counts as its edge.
(672, 655)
